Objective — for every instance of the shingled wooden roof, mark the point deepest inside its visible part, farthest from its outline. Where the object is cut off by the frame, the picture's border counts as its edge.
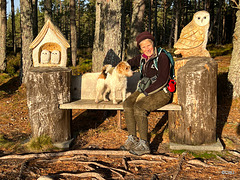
(43, 32)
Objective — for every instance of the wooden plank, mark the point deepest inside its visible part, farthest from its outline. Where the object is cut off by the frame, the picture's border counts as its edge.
(90, 104)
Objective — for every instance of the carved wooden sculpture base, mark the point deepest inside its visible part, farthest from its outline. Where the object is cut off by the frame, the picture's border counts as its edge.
(46, 89)
(197, 95)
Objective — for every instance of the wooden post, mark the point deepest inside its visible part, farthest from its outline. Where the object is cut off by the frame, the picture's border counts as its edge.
(197, 94)
(46, 89)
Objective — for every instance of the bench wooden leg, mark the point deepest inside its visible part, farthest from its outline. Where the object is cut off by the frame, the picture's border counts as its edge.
(119, 118)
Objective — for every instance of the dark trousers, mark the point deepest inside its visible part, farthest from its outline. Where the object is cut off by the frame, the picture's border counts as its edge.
(136, 112)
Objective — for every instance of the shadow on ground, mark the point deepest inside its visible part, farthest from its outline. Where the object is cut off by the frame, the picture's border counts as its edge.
(11, 86)
(158, 130)
(224, 101)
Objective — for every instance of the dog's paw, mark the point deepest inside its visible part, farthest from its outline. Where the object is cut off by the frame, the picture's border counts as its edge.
(96, 101)
(115, 102)
(106, 100)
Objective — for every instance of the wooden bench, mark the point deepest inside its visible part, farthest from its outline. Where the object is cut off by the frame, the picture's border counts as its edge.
(83, 93)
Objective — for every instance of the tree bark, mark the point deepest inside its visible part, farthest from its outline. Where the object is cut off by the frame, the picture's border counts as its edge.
(137, 26)
(35, 17)
(108, 33)
(46, 89)
(13, 27)
(155, 27)
(234, 68)
(3, 34)
(197, 94)
(27, 38)
(47, 10)
(73, 32)
(177, 12)
(164, 20)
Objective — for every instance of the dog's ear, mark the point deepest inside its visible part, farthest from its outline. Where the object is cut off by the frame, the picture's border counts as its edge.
(108, 67)
(122, 67)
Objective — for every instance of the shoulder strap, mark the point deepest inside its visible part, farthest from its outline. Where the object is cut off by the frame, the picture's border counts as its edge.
(172, 63)
(141, 64)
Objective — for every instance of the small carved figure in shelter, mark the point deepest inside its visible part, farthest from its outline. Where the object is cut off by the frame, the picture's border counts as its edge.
(45, 56)
(194, 36)
(55, 57)
(49, 47)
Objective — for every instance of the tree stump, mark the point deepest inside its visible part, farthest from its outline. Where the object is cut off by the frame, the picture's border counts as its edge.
(46, 89)
(197, 94)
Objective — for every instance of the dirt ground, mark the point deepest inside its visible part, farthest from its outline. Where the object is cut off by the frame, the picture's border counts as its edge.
(95, 154)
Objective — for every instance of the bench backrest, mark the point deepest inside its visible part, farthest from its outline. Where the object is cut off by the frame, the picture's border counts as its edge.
(84, 86)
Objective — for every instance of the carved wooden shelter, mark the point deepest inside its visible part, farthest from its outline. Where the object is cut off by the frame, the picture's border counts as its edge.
(49, 47)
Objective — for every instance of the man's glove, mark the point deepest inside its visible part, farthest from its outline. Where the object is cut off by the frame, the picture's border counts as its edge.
(140, 96)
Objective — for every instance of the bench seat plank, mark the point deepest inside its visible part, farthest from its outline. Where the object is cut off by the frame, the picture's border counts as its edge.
(90, 104)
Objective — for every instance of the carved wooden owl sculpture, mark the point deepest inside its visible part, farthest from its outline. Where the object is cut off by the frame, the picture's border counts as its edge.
(55, 57)
(194, 36)
(45, 56)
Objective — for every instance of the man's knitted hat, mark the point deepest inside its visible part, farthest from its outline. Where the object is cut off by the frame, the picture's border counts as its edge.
(144, 35)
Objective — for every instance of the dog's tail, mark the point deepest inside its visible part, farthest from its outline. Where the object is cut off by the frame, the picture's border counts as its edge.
(106, 69)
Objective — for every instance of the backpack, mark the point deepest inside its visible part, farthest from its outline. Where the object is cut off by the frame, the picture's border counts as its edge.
(172, 63)
(172, 82)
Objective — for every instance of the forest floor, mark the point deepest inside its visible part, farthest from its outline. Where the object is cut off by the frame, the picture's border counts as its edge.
(95, 150)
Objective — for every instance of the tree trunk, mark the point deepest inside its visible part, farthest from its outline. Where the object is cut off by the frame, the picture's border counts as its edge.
(234, 69)
(171, 31)
(137, 26)
(177, 11)
(46, 89)
(197, 94)
(79, 24)
(3, 35)
(163, 34)
(27, 38)
(150, 16)
(35, 17)
(108, 34)
(219, 23)
(155, 23)
(73, 32)
(47, 10)
(13, 27)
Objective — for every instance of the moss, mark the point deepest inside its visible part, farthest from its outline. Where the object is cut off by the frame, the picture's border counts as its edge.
(41, 143)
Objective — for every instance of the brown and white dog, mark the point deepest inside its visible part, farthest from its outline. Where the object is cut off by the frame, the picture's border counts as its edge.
(113, 79)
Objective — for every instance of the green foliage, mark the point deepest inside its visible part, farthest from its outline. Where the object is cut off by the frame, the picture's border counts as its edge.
(41, 143)
(4, 77)
(85, 65)
(219, 50)
(13, 64)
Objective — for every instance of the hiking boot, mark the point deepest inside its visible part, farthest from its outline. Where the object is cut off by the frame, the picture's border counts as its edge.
(141, 148)
(130, 142)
